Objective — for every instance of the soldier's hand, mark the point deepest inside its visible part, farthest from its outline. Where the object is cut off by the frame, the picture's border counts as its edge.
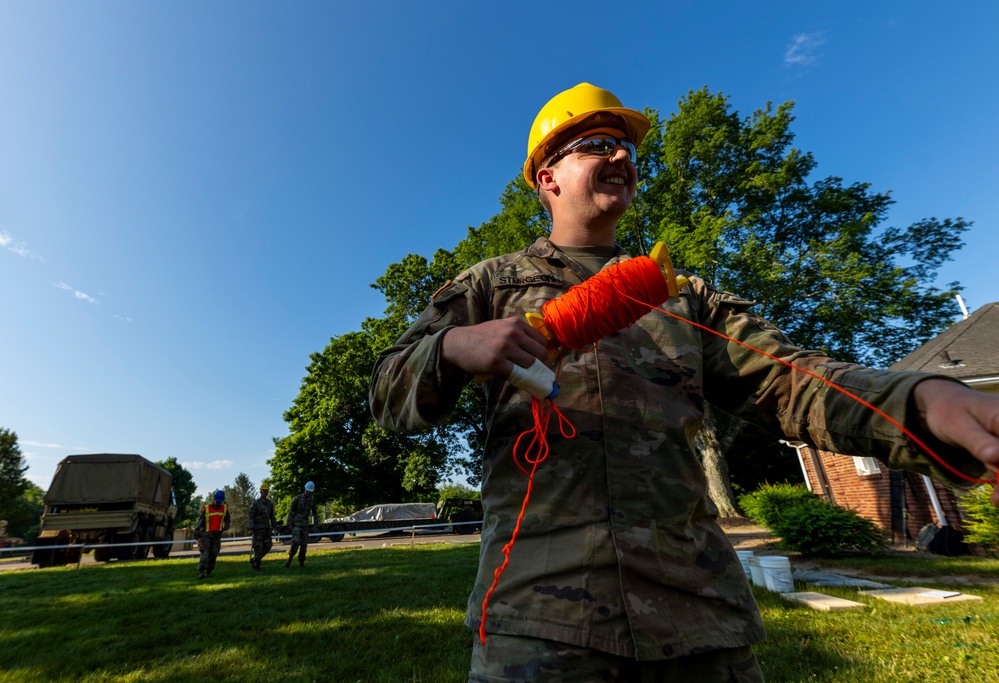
(493, 347)
(962, 417)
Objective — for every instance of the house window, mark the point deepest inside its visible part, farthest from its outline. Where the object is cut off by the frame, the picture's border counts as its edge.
(866, 466)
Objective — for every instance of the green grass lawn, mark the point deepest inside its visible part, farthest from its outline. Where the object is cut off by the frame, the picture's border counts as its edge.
(395, 614)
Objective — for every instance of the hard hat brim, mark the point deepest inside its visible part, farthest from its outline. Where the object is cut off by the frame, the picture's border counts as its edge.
(631, 122)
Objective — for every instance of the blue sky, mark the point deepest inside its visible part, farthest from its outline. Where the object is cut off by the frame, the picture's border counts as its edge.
(196, 196)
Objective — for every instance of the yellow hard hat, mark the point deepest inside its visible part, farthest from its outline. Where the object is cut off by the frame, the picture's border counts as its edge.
(572, 111)
(265, 486)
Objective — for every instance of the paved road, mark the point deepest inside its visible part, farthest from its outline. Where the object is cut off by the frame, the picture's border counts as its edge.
(241, 548)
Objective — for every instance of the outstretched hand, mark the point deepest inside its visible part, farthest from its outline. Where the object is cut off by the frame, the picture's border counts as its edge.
(962, 417)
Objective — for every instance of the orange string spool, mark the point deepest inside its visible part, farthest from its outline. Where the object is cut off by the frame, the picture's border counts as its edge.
(599, 307)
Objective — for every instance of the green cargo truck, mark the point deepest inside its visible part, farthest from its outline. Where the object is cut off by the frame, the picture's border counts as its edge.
(106, 498)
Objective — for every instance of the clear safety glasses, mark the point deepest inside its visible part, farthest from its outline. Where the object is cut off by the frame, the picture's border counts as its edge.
(597, 145)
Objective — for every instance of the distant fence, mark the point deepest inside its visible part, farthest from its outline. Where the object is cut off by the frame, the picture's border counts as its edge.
(188, 542)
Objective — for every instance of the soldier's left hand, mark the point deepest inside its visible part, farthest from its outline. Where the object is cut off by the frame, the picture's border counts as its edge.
(962, 417)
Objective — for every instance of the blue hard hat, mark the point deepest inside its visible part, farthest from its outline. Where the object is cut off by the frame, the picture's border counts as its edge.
(220, 496)
(310, 487)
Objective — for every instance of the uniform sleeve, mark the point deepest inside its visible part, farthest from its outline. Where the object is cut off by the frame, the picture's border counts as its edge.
(799, 403)
(410, 389)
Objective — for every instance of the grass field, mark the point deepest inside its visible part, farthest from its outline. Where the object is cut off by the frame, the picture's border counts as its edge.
(395, 614)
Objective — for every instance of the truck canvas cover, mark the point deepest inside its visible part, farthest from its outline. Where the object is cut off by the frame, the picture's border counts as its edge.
(109, 478)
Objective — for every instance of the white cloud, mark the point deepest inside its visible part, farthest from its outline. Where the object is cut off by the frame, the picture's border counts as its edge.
(39, 444)
(213, 465)
(802, 50)
(8, 242)
(83, 296)
(122, 317)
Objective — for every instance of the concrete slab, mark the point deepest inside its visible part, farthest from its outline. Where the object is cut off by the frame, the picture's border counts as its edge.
(822, 602)
(920, 596)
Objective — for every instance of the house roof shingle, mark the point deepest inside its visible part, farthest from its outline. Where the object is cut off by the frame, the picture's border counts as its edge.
(969, 349)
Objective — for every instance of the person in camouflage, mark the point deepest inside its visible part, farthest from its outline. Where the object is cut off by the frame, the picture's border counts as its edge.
(212, 521)
(302, 508)
(261, 523)
(620, 570)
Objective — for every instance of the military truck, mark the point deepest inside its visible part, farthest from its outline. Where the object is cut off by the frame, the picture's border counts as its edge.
(461, 513)
(105, 498)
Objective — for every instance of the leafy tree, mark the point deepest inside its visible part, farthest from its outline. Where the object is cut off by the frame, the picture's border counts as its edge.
(982, 523)
(458, 491)
(736, 207)
(334, 441)
(184, 490)
(239, 497)
(731, 197)
(24, 514)
(13, 483)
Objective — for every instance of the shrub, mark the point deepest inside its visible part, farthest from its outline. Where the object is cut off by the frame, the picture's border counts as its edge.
(823, 529)
(982, 522)
(768, 503)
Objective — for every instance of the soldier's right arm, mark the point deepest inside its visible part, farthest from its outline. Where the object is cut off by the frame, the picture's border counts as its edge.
(411, 389)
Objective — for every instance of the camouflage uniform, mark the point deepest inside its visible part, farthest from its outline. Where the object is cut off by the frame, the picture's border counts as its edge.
(302, 507)
(261, 521)
(619, 550)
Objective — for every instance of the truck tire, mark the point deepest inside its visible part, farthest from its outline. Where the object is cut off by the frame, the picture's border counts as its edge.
(145, 534)
(126, 552)
(43, 557)
(102, 554)
(337, 535)
(163, 551)
(460, 525)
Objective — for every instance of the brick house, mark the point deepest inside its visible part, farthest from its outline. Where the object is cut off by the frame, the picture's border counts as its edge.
(904, 502)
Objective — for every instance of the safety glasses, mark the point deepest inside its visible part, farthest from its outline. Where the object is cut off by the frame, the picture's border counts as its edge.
(597, 145)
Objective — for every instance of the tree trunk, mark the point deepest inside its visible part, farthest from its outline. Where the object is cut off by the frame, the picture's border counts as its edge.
(715, 438)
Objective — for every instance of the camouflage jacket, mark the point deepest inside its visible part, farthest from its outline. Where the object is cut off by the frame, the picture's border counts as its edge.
(302, 507)
(619, 549)
(261, 515)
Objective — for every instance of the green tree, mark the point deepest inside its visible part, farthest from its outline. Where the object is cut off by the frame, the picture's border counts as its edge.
(13, 484)
(734, 202)
(333, 440)
(24, 515)
(458, 491)
(239, 497)
(732, 199)
(184, 490)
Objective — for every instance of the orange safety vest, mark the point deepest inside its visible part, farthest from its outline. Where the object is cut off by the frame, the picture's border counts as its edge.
(214, 519)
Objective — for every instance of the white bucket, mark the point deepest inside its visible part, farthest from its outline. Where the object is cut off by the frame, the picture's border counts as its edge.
(777, 573)
(756, 571)
(744, 556)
